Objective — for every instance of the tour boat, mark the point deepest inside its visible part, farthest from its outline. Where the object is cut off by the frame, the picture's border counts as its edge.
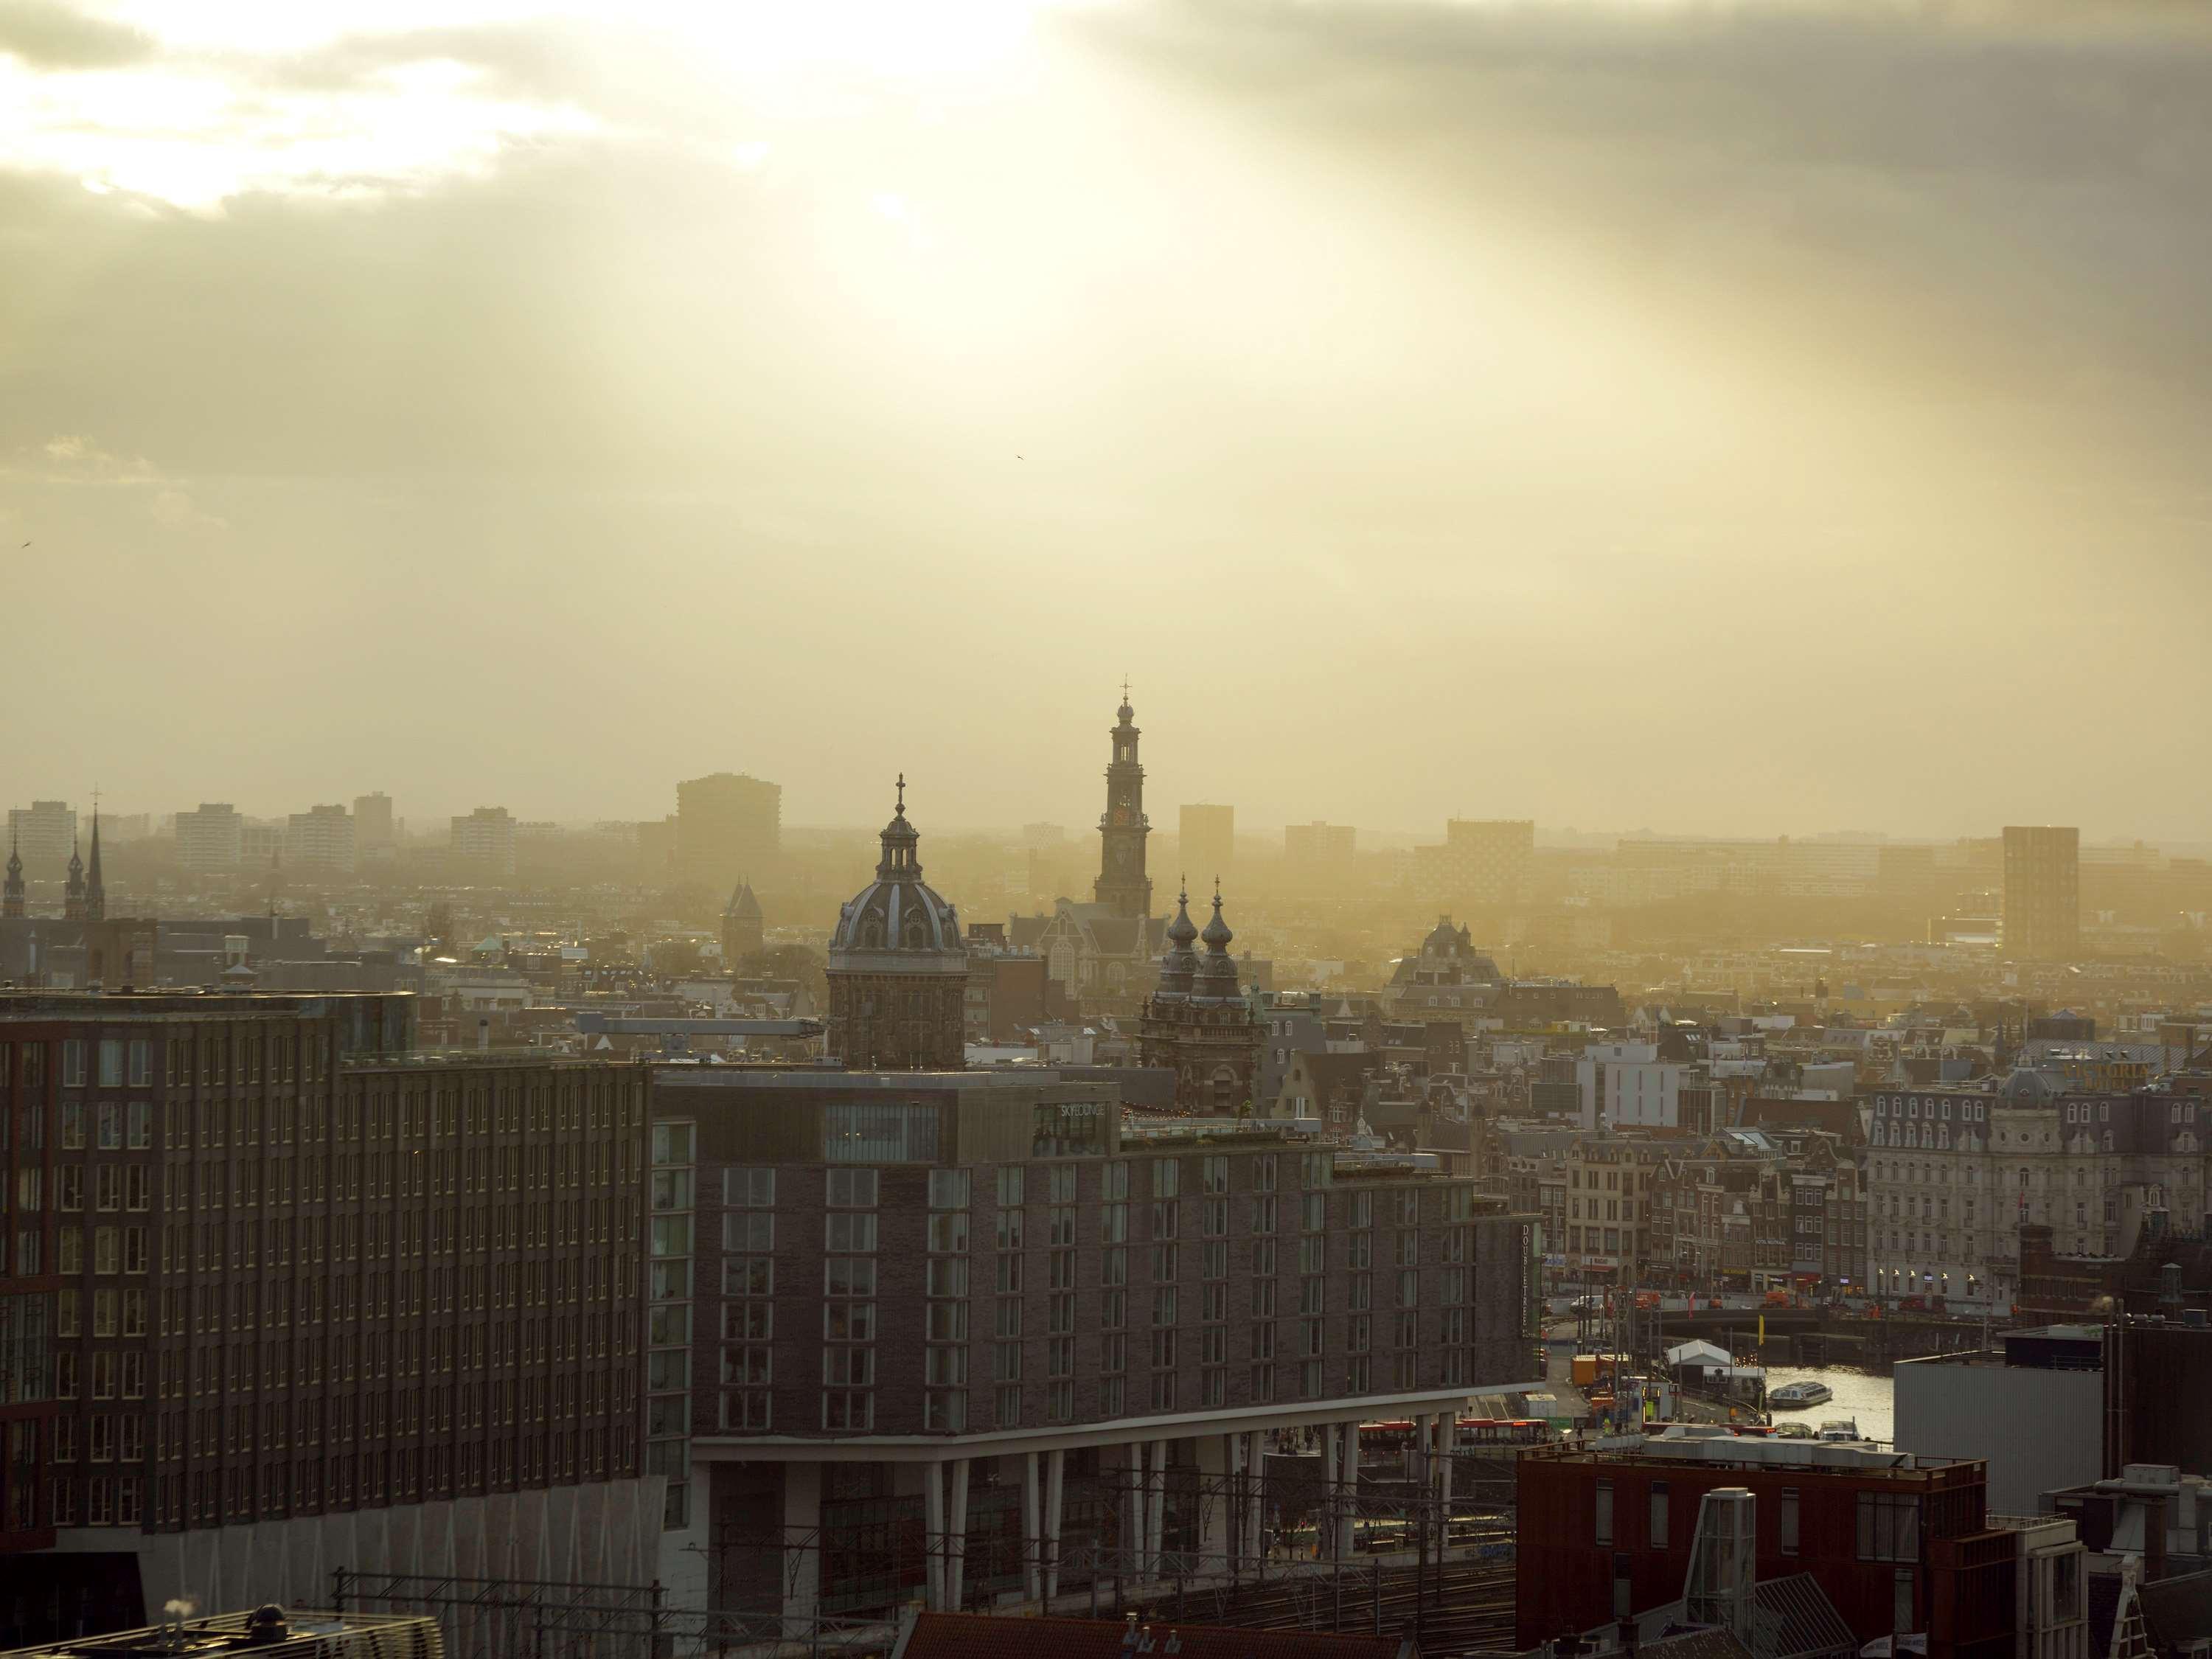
(1840, 1428)
(1805, 1392)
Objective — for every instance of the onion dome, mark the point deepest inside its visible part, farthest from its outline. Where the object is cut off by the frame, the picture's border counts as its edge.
(1181, 962)
(1216, 972)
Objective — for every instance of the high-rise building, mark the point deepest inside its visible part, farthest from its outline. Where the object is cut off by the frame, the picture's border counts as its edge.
(484, 841)
(373, 829)
(928, 1293)
(320, 841)
(1207, 842)
(2042, 892)
(45, 832)
(1482, 864)
(301, 1296)
(729, 828)
(1317, 851)
(1122, 886)
(210, 838)
(897, 967)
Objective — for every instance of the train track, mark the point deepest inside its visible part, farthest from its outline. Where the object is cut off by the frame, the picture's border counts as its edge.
(1461, 1606)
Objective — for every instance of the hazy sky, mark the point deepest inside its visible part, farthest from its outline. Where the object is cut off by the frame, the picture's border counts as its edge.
(1761, 417)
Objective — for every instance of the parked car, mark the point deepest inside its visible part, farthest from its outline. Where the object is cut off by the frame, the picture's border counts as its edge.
(1776, 1299)
(1913, 1305)
(1587, 1304)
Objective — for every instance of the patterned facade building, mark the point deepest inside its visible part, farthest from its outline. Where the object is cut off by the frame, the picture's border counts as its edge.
(1198, 1025)
(311, 1299)
(897, 968)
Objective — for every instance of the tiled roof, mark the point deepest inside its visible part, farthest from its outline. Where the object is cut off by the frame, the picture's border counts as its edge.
(981, 1636)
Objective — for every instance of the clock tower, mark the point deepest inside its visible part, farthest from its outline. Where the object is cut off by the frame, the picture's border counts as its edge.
(1123, 887)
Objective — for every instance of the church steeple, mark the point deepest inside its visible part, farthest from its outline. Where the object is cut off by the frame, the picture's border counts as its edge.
(1122, 886)
(73, 894)
(96, 889)
(11, 896)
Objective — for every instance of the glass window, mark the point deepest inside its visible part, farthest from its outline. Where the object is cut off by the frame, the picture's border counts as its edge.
(949, 1190)
(749, 1189)
(866, 1131)
(852, 1189)
(1604, 1527)
(1658, 1514)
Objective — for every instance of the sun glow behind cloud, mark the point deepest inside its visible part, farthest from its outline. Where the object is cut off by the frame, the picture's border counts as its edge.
(232, 96)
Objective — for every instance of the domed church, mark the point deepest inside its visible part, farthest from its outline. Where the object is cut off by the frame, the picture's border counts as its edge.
(898, 970)
(1199, 1025)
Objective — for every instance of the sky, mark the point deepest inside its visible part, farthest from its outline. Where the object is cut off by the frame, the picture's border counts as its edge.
(1748, 415)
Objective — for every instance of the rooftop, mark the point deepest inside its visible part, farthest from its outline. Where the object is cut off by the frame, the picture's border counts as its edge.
(1727, 1450)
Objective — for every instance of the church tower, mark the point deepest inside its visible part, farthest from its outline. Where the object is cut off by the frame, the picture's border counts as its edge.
(745, 930)
(73, 894)
(11, 896)
(1123, 887)
(96, 889)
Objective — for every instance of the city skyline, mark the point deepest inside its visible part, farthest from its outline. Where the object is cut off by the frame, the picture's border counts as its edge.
(1529, 395)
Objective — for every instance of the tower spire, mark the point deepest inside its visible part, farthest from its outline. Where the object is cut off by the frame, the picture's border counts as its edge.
(73, 892)
(96, 889)
(11, 895)
(1122, 886)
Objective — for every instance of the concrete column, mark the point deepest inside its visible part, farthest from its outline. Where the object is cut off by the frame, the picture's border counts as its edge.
(1218, 1525)
(1156, 1509)
(956, 1525)
(1055, 1475)
(1326, 1531)
(1416, 1453)
(802, 1547)
(1134, 1505)
(1349, 1437)
(1032, 1529)
(1447, 1437)
(1255, 1512)
(932, 1525)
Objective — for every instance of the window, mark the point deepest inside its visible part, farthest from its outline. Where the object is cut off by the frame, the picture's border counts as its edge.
(851, 1189)
(1888, 1528)
(847, 1233)
(1604, 1529)
(1789, 1528)
(750, 1189)
(1658, 1514)
(755, 1230)
(949, 1190)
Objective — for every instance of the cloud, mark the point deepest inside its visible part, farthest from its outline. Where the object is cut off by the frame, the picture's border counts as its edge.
(73, 460)
(47, 34)
(176, 509)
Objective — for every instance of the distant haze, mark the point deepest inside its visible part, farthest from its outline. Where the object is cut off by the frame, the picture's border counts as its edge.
(1751, 416)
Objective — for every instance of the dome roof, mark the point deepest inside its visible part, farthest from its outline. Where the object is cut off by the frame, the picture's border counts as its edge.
(2029, 1088)
(897, 913)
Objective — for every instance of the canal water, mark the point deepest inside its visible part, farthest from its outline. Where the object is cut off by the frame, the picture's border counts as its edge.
(1862, 1396)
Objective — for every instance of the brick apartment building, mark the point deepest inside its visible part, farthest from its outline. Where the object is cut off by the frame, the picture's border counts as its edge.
(1898, 1544)
(311, 1299)
(945, 1326)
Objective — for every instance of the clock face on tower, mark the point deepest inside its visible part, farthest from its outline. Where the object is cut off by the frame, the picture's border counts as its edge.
(1120, 816)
